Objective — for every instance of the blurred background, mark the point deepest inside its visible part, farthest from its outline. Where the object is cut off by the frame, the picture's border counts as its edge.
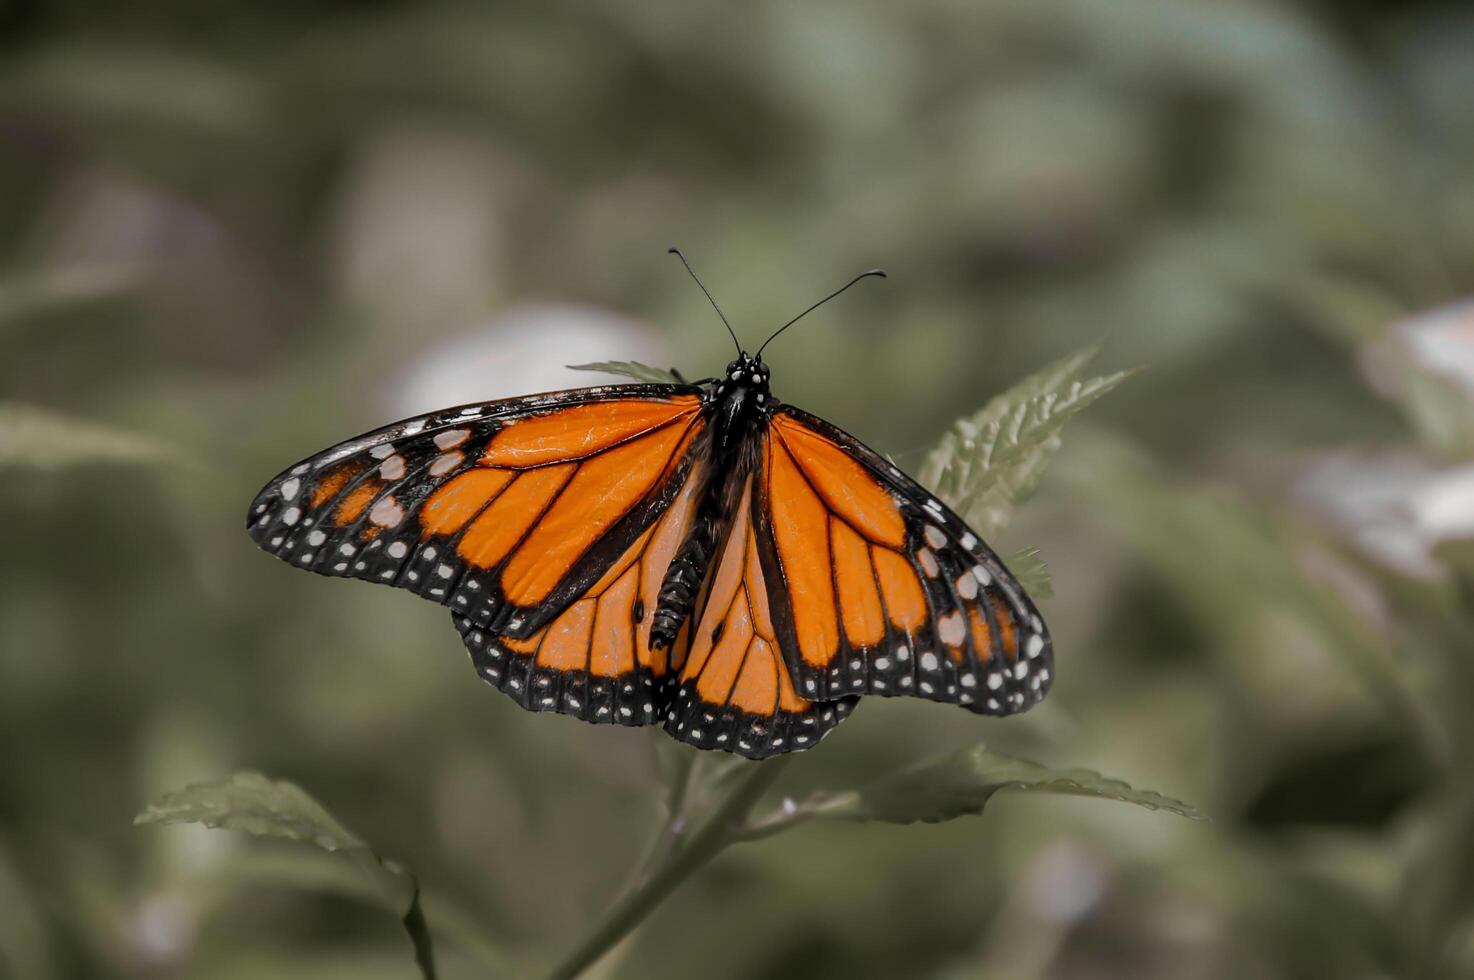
(232, 234)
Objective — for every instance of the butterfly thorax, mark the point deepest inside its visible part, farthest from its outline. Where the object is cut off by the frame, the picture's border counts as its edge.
(740, 404)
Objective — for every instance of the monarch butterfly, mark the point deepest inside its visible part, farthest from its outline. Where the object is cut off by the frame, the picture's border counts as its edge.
(696, 555)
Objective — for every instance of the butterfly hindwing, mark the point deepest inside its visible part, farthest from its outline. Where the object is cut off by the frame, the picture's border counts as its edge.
(505, 511)
(593, 660)
(734, 690)
(880, 588)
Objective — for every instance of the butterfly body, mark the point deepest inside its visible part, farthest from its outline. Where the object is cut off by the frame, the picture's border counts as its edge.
(698, 556)
(739, 403)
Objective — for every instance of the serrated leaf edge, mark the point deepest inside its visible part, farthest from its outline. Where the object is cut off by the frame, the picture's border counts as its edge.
(630, 369)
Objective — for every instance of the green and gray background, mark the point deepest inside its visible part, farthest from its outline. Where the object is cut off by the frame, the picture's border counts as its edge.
(234, 233)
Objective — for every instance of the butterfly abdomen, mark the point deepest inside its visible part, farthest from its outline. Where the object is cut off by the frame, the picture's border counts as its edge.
(682, 582)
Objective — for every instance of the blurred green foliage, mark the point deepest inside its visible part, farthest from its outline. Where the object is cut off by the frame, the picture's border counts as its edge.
(231, 234)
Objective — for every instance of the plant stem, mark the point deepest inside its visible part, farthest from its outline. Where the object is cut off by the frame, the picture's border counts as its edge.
(681, 789)
(419, 937)
(790, 816)
(402, 891)
(713, 837)
(674, 830)
(670, 831)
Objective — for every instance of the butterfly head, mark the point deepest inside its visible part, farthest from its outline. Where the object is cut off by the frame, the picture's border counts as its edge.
(747, 376)
(747, 370)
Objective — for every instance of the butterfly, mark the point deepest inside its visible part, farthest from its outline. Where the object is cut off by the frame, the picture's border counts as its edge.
(700, 556)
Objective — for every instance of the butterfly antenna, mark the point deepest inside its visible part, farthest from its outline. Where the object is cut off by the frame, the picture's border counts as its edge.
(864, 275)
(682, 256)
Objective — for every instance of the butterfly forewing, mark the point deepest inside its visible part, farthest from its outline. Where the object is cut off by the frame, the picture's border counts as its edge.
(880, 589)
(505, 512)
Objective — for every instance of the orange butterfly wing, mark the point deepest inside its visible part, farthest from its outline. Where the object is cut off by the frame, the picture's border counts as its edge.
(547, 524)
(734, 690)
(878, 588)
(593, 660)
(506, 512)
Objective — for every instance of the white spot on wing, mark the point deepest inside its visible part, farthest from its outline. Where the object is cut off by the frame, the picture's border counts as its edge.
(392, 468)
(323, 462)
(386, 512)
(446, 462)
(967, 587)
(935, 536)
(928, 563)
(291, 516)
(951, 629)
(289, 489)
(451, 438)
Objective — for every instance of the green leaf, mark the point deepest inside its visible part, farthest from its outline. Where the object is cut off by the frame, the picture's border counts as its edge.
(252, 802)
(960, 784)
(992, 460)
(631, 369)
(37, 437)
(1032, 573)
(267, 807)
